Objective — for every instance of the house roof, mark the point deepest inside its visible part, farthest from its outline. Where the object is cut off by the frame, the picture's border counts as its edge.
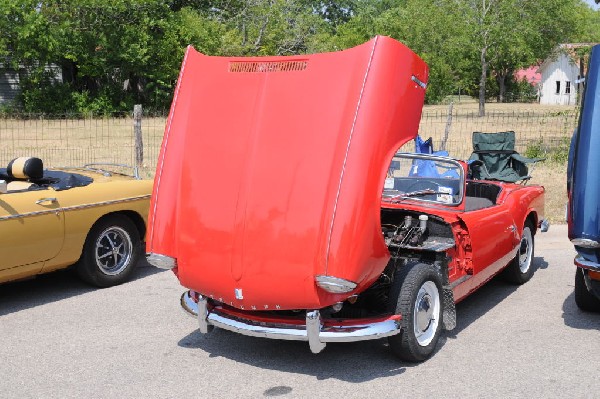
(568, 49)
(531, 74)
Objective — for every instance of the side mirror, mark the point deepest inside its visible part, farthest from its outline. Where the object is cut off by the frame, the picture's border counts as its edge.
(3, 187)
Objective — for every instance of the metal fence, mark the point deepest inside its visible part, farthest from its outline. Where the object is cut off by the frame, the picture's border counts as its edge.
(74, 141)
(542, 133)
(68, 140)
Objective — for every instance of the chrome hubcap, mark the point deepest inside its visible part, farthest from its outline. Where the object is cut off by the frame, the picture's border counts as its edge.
(525, 251)
(113, 250)
(426, 313)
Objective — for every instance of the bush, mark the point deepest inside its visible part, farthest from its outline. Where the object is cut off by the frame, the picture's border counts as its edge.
(47, 98)
(557, 153)
(535, 149)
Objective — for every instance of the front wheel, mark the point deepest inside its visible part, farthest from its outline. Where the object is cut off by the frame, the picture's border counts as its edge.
(520, 271)
(110, 252)
(584, 299)
(416, 296)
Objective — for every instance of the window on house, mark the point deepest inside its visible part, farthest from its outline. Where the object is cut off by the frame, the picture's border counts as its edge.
(567, 87)
(558, 87)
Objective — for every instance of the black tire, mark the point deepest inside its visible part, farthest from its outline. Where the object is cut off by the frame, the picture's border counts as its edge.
(520, 270)
(416, 295)
(584, 299)
(110, 253)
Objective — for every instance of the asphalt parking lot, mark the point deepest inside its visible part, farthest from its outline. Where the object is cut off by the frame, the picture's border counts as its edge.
(62, 339)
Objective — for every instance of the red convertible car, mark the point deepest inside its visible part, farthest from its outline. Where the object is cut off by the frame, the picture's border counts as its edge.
(281, 203)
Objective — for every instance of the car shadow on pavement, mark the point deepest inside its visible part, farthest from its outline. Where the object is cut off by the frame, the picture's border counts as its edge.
(486, 298)
(577, 318)
(338, 361)
(51, 287)
(341, 361)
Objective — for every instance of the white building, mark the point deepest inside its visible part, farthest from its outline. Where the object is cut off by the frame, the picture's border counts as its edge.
(10, 83)
(561, 76)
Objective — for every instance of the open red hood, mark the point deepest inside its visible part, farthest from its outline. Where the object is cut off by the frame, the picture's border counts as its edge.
(271, 170)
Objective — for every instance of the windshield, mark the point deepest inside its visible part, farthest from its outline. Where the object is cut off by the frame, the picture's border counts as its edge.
(422, 177)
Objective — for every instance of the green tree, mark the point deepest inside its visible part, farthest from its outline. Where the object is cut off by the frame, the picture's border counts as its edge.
(508, 34)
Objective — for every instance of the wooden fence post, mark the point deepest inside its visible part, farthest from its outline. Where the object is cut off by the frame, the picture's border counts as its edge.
(448, 126)
(137, 130)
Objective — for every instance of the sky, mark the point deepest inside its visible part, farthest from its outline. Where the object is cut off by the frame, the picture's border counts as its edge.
(593, 4)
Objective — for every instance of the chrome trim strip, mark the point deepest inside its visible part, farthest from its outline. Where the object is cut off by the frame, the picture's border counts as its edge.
(74, 208)
(314, 332)
(458, 281)
(583, 263)
(30, 214)
(419, 82)
(339, 189)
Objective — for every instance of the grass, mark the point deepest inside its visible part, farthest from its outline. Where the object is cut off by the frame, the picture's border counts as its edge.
(541, 131)
(553, 177)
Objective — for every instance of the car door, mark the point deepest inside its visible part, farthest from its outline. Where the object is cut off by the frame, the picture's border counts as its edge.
(31, 228)
(494, 238)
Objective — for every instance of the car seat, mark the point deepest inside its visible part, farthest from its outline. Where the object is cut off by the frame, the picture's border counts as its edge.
(494, 158)
(22, 171)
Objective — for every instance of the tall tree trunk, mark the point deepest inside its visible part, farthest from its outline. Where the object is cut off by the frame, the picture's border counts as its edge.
(482, 81)
(501, 79)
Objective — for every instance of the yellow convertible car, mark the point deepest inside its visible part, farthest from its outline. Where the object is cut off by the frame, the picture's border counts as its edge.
(88, 217)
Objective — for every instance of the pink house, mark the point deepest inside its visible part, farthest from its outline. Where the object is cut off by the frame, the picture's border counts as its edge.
(530, 74)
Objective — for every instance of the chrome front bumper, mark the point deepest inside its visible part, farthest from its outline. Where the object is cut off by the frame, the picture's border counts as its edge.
(314, 330)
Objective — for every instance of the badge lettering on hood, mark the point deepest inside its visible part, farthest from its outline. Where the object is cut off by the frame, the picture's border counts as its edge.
(238, 293)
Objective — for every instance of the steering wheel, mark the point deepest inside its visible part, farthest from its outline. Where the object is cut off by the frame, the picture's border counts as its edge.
(422, 184)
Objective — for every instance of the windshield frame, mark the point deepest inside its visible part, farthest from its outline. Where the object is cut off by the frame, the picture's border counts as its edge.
(429, 157)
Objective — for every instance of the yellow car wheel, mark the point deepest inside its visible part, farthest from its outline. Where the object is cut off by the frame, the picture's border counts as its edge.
(110, 252)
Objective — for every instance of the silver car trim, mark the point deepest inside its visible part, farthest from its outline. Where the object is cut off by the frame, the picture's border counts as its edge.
(345, 161)
(73, 208)
(161, 161)
(583, 263)
(313, 331)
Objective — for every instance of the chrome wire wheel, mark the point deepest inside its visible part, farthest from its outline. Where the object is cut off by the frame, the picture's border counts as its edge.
(113, 250)
(426, 313)
(525, 250)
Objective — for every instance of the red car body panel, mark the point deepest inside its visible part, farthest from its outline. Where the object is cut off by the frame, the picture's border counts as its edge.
(281, 203)
(271, 171)
(488, 238)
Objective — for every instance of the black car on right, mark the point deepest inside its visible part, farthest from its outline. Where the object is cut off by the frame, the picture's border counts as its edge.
(583, 185)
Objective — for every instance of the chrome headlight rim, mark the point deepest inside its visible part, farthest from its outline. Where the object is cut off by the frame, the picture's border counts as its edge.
(335, 285)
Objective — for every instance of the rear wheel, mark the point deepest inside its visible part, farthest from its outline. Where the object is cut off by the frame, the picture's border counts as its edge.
(520, 271)
(110, 252)
(584, 299)
(416, 296)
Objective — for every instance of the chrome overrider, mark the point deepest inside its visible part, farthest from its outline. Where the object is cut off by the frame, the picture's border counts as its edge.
(583, 263)
(591, 285)
(314, 331)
